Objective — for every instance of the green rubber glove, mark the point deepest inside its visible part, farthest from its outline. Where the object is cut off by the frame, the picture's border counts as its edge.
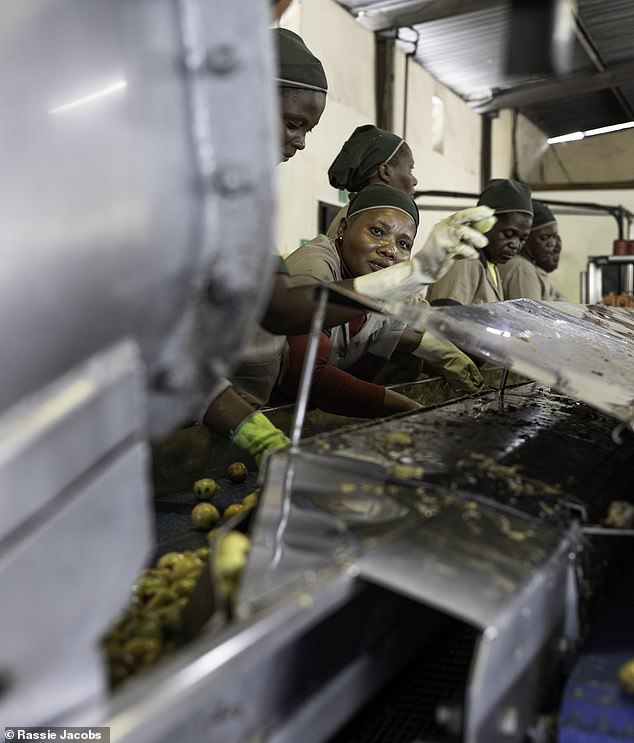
(257, 435)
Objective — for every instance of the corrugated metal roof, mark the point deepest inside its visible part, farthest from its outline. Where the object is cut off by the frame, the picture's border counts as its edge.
(467, 53)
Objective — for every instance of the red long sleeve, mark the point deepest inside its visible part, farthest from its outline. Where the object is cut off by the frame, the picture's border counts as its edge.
(333, 390)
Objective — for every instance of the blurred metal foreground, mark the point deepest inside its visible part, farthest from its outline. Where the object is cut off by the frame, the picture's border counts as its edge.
(459, 526)
(120, 304)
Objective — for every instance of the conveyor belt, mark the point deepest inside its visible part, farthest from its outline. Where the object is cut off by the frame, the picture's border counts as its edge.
(557, 449)
(406, 710)
(174, 531)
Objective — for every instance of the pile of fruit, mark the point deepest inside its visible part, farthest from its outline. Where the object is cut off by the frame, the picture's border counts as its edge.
(151, 625)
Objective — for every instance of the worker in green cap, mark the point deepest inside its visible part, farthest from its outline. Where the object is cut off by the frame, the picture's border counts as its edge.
(526, 275)
(371, 155)
(476, 282)
(233, 410)
(378, 232)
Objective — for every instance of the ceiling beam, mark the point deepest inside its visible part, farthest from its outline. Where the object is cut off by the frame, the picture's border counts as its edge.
(418, 11)
(568, 87)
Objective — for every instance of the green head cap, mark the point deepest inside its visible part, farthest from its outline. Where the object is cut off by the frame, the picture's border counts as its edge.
(360, 157)
(298, 67)
(381, 195)
(506, 195)
(542, 215)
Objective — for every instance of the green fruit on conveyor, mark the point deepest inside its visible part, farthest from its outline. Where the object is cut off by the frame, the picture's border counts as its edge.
(204, 516)
(206, 488)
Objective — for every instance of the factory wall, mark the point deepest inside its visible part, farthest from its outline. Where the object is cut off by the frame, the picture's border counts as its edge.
(347, 50)
(519, 147)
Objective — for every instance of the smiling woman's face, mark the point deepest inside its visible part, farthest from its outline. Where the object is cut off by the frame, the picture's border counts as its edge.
(375, 239)
(300, 111)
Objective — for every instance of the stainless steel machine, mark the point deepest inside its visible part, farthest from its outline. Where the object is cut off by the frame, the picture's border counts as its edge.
(121, 302)
(427, 577)
(446, 545)
(609, 279)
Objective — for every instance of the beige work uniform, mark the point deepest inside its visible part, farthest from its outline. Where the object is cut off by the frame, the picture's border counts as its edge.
(318, 261)
(468, 281)
(522, 278)
(261, 359)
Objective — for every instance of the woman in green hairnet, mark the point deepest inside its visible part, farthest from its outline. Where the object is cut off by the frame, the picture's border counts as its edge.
(377, 232)
(302, 88)
(232, 410)
(371, 155)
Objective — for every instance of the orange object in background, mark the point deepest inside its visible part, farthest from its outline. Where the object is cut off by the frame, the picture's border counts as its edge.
(619, 247)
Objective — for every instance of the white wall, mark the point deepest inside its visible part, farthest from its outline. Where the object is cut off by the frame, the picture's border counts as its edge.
(599, 159)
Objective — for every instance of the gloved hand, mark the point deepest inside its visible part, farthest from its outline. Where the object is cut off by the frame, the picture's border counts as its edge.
(449, 362)
(451, 239)
(257, 435)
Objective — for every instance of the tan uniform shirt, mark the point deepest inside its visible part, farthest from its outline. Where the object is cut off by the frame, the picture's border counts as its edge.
(467, 282)
(522, 278)
(261, 359)
(318, 261)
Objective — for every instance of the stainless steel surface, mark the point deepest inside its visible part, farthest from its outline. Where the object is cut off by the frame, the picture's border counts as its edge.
(51, 439)
(121, 300)
(457, 511)
(596, 283)
(66, 583)
(127, 176)
(557, 344)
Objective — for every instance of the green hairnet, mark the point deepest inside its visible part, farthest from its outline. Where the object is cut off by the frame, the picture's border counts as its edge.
(360, 157)
(298, 67)
(542, 215)
(506, 195)
(380, 194)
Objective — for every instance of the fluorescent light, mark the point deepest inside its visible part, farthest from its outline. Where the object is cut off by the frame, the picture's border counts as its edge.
(606, 129)
(114, 88)
(565, 138)
(590, 133)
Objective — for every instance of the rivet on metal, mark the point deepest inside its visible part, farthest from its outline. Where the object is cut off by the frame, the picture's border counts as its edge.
(222, 59)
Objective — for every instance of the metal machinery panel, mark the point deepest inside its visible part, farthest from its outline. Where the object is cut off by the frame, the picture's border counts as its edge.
(469, 512)
(125, 290)
(607, 274)
(132, 162)
(585, 354)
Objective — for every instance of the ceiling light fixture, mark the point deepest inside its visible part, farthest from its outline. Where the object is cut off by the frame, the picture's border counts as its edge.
(573, 136)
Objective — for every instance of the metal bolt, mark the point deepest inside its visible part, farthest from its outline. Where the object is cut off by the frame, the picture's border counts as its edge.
(233, 179)
(222, 59)
(194, 60)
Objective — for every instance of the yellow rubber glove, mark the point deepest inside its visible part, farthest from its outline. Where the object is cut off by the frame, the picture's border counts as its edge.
(257, 435)
(447, 360)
